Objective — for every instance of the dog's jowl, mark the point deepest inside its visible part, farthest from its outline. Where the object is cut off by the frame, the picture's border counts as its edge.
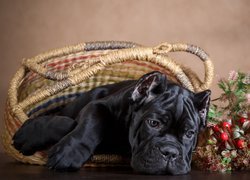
(152, 120)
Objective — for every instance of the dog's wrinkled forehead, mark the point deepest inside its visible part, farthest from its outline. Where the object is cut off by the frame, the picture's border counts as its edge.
(171, 102)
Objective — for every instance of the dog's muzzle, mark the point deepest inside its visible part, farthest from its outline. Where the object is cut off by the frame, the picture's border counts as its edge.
(161, 158)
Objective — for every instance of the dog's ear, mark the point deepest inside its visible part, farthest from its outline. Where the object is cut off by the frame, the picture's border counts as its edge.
(202, 102)
(149, 86)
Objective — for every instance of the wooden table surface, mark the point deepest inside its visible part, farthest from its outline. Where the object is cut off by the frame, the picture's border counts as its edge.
(11, 169)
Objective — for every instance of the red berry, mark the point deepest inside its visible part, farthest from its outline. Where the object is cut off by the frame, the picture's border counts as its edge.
(240, 143)
(224, 136)
(226, 125)
(248, 146)
(242, 120)
(216, 128)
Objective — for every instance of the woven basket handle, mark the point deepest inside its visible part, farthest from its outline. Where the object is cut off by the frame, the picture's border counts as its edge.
(36, 65)
(157, 55)
(164, 48)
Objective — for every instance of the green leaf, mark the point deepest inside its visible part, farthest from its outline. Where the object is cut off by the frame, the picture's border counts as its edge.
(237, 128)
(226, 160)
(239, 93)
(236, 134)
(246, 125)
(222, 86)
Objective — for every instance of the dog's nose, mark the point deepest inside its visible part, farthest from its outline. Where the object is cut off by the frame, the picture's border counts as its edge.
(170, 152)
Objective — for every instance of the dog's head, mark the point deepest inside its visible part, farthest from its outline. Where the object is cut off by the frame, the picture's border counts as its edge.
(165, 124)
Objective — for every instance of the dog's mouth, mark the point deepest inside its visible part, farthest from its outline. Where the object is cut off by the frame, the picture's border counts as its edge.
(153, 161)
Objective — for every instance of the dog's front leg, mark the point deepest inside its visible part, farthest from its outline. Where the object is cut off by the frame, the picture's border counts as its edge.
(75, 149)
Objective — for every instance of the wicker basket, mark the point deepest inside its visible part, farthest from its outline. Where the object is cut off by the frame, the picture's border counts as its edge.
(57, 77)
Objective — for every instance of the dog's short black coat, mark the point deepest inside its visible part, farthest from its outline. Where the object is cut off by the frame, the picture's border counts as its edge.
(152, 120)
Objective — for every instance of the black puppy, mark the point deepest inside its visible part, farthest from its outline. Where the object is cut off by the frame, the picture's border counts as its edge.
(153, 119)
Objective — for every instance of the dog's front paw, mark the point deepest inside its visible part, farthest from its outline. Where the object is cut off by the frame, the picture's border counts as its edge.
(28, 139)
(67, 156)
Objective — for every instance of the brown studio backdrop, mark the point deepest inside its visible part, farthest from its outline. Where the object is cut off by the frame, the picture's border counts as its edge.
(29, 27)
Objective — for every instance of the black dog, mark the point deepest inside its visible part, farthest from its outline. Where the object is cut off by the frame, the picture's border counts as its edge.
(154, 120)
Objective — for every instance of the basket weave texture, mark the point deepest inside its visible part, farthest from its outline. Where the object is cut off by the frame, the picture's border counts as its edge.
(55, 78)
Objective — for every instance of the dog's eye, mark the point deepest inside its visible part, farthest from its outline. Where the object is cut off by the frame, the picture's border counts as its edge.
(153, 123)
(189, 133)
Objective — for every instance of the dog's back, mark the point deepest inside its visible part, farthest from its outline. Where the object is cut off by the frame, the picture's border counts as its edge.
(73, 108)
